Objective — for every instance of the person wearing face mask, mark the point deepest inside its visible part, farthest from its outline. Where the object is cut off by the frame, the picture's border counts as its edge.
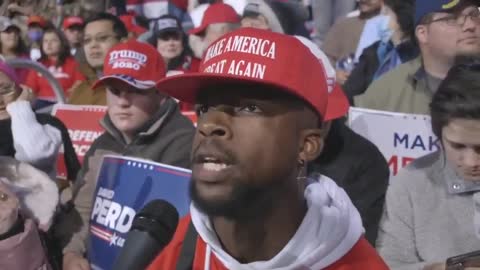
(395, 47)
(36, 25)
(444, 31)
(343, 38)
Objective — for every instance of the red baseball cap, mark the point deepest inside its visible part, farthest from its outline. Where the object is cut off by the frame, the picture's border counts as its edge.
(250, 55)
(338, 103)
(216, 13)
(133, 62)
(72, 21)
(34, 19)
(131, 24)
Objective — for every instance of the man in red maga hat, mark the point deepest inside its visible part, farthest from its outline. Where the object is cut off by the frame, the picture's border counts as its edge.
(261, 98)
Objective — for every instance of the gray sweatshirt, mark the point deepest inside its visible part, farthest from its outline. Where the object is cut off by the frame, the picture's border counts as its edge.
(429, 216)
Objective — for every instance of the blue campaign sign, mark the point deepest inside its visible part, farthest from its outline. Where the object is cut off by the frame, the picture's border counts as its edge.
(124, 186)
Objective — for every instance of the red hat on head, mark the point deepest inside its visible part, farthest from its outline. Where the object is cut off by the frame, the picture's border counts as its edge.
(136, 63)
(72, 21)
(338, 104)
(250, 55)
(34, 19)
(216, 13)
(131, 24)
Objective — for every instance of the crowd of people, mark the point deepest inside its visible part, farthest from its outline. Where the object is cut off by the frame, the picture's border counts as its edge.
(279, 180)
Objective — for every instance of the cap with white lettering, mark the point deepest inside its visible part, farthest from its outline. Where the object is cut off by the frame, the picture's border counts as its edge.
(166, 24)
(250, 55)
(136, 63)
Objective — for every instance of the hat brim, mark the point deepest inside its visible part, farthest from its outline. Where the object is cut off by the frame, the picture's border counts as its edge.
(337, 105)
(141, 85)
(168, 30)
(187, 87)
(10, 26)
(198, 31)
(138, 30)
(73, 25)
(35, 22)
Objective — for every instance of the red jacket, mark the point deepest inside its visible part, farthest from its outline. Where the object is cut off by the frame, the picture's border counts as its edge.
(66, 75)
(361, 257)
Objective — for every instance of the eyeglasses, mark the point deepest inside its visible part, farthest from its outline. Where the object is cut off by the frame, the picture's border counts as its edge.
(8, 94)
(460, 19)
(473, 65)
(6, 88)
(98, 39)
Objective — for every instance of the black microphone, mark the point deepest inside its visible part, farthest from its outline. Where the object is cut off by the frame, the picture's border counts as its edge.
(152, 229)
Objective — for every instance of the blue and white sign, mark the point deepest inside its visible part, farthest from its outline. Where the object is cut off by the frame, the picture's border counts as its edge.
(124, 186)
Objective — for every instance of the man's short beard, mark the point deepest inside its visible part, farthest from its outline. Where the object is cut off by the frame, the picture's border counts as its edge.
(244, 204)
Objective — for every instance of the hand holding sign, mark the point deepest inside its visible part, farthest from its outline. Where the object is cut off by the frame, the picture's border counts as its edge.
(73, 261)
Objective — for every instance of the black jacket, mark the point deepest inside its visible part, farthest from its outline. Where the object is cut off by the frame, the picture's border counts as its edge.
(357, 166)
(362, 76)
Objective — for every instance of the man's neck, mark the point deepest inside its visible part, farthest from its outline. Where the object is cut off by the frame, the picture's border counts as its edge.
(436, 66)
(264, 237)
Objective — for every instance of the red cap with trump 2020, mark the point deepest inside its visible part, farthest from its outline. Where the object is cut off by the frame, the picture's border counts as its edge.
(250, 55)
(136, 63)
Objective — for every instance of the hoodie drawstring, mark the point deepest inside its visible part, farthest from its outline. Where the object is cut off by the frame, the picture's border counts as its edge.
(208, 252)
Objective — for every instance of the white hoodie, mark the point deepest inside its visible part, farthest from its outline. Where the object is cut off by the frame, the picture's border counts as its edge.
(331, 227)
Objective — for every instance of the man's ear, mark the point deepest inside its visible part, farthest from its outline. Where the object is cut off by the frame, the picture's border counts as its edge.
(312, 142)
(421, 32)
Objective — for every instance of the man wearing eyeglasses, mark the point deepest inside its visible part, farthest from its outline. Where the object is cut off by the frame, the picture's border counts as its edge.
(445, 30)
(102, 32)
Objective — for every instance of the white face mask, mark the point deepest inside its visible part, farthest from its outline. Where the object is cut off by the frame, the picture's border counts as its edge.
(384, 30)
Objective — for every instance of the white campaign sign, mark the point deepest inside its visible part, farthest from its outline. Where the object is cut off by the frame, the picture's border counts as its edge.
(400, 137)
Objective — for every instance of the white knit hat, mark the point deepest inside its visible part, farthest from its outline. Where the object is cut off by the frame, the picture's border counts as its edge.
(37, 193)
(260, 7)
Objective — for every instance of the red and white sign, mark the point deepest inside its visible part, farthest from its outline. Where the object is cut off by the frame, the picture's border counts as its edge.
(83, 124)
(400, 137)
